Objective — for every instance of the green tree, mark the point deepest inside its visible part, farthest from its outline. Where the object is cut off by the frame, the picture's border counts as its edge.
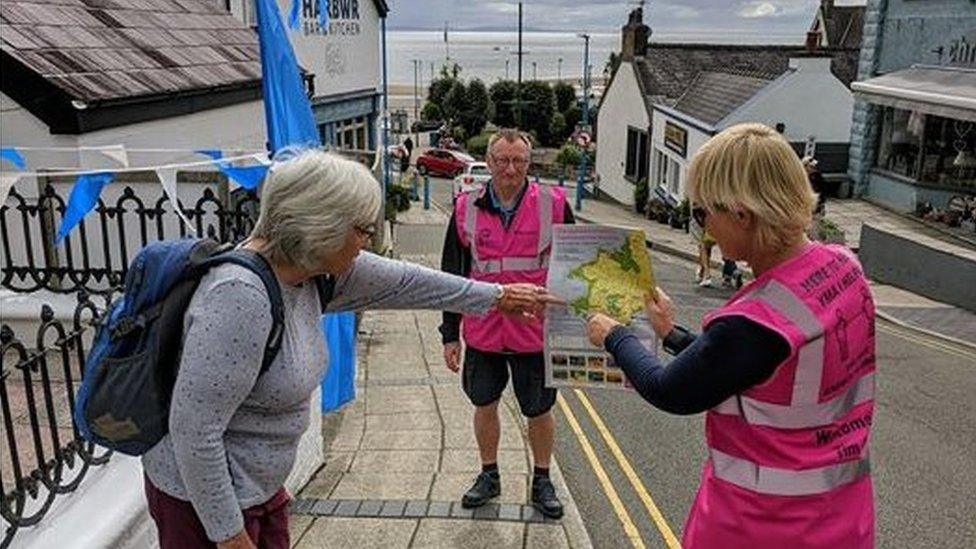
(557, 129)
(613, 61)
(438, 91)
(572, 116)
(453, 105)
(565, 96)
(502, 95)
(539, 104)
(477, 108)
(430, 111)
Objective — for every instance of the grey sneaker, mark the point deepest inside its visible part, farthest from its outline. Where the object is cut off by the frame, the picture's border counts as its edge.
(486, 487)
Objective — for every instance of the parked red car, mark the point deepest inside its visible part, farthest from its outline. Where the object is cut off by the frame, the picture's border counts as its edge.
(443, 162)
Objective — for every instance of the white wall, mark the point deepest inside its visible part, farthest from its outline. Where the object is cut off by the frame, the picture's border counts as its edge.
(623, 105)
(810, 101)
(346, 58)
(696, 138)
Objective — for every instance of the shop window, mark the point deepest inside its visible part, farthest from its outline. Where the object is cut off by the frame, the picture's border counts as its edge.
(635, 166)
(901, 141)
(949, 152)
(928, 148)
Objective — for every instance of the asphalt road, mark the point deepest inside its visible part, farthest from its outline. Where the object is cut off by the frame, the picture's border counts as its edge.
(923, 443)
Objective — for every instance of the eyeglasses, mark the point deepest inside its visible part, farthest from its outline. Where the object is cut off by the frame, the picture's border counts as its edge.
(699, 214)
(366, 233)
(505, 162)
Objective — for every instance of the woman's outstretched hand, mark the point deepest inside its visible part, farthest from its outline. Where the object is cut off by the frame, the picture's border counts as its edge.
(527, 300)
(598, 327)
(660, 311)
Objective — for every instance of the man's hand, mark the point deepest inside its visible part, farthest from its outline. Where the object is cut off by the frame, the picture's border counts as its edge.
(524, 299)
(598, 327)
(239, 541)
(660, 311)
(452, 356)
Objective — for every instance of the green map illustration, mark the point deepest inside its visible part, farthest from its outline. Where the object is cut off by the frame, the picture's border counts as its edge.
(617, 280)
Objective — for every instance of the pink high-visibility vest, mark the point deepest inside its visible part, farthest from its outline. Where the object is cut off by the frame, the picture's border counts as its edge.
(519, 253)
(788, 459)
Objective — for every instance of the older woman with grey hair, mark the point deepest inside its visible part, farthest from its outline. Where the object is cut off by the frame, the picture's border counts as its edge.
(216, 478)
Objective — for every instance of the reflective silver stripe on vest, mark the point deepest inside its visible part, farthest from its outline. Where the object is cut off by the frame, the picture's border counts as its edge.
(802, 416)
(545, 219)
(470, 221)
(508, 264)
(804, 410)
(786, 482)
(512, 264)
(810, 357)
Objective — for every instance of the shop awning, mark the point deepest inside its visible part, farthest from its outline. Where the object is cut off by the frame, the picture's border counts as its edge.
(943, 91)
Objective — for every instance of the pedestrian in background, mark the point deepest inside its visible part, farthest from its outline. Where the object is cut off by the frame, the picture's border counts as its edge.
(817, 183)
(502, 233)
(216, 479)
(785, 369)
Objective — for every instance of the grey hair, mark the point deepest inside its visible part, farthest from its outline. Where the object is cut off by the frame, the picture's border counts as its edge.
(309, 201)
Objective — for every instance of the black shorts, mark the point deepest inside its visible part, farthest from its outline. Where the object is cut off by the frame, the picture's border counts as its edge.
(486, 375)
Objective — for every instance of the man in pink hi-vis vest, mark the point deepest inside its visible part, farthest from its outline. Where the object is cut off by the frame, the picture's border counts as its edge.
(503, 234)
(785, 369)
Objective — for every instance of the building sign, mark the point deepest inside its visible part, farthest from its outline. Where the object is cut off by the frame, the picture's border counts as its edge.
(676, 138)
(343, 18)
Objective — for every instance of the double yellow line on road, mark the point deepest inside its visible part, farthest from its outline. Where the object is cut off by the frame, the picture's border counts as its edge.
(622, 514)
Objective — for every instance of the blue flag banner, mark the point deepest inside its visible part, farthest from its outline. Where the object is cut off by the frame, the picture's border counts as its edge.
(13, 156)
(288, 115)
(215, 154)
(324, 14)
(249, 177)
(84, 196)
(293, 14)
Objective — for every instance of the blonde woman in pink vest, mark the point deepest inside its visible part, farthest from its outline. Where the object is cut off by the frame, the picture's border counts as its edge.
(784, 370)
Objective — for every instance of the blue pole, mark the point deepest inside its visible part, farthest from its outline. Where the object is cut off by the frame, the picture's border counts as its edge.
(580, 177)
(562, 177)
(537, 180)
(386, 124)
(426, 192)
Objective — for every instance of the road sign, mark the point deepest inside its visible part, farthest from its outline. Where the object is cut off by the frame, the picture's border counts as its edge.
(582, 138)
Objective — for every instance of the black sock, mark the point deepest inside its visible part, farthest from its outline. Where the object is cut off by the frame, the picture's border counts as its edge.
(490, 468)
(542, 472)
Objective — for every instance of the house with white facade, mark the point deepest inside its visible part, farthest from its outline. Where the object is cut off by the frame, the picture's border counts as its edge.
(664, 100)
(717, 100)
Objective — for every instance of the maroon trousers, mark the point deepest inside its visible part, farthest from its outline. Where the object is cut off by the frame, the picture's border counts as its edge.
(180, 528)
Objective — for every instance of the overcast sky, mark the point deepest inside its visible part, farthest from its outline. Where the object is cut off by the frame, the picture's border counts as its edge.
(604, 15)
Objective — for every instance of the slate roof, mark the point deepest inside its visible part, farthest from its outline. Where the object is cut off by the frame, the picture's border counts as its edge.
(844, 26)
(714, 95)
(667, 70)
(103, 50)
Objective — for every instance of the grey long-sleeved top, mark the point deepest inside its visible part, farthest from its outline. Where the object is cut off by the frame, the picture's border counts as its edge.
(234, 434)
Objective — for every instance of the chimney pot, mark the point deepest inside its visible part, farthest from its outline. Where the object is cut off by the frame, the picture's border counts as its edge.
(634, 36)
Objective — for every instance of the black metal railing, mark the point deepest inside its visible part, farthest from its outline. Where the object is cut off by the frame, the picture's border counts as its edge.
(43, 454)
(96, 254)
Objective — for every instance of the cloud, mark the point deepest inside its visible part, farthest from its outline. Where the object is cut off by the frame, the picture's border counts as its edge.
(758, 9)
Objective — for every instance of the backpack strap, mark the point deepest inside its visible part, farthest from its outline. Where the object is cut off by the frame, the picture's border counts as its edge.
(325, 284)
(257, 264)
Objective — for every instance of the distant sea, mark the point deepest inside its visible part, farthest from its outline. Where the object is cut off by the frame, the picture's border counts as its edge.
(483, 54)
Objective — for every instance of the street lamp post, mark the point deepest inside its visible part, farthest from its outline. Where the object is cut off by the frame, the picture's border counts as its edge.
(506, 69)
(535, 74)
(581, 176)
(559, 69)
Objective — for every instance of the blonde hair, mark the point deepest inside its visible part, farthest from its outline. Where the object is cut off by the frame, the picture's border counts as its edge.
(309, 201)
(752, 167)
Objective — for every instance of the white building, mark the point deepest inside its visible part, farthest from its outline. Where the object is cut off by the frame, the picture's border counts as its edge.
(691, 91)
(717, 100)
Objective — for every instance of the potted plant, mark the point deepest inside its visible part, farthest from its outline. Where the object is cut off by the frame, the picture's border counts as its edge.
(641, 194)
